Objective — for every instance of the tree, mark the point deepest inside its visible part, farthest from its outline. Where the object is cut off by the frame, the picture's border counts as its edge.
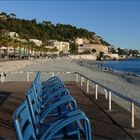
(87, 52)
(121, 51)
(54, 49)
(12, 15)
(100, 56)
(93, 50)
(73, 48)
(3, 13)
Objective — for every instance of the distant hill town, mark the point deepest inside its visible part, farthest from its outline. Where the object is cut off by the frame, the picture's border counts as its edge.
(20, 38)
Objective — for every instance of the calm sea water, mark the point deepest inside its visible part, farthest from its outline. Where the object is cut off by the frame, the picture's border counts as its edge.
(126, 66)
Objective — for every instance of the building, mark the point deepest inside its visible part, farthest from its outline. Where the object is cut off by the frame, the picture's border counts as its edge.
(60, 45)
(36, 41)
(3, 17)
(111, 56)
(13, 35)
(79, 41)
(84, 57)
(89, 47)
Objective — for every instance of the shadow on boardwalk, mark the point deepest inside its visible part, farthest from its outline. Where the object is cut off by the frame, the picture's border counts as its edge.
(105, 125)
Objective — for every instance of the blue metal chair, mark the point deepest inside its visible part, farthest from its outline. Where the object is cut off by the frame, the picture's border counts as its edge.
(50, 115)
(23, 123)
(52, 107)
(43, 95)
(50, 82)
(48, 87)
(47, 123)
(25, 128)
(49, 97)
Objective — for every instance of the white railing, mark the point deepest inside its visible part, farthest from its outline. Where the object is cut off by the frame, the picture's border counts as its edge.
(4, 76)
(108, 93)
(82, 78)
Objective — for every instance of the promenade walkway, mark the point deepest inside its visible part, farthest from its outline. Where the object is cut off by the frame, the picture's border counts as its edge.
(105, 124)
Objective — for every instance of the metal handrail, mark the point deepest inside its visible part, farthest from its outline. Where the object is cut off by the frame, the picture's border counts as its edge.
(112, 91)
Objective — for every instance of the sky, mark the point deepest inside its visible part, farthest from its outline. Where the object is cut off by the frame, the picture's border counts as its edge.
(116, 21)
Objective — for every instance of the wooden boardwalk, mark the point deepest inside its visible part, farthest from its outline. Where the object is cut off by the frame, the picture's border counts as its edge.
(105, 124)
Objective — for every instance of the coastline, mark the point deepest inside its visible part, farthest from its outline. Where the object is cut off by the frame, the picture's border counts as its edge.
(108, 70)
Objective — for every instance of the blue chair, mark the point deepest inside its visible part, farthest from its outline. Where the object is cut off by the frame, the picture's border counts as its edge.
(50, 82)
(49, 97)
(25, 128)
(54, 107)
(40, 119)
(23, 123)
(48, 88)
(52, 114)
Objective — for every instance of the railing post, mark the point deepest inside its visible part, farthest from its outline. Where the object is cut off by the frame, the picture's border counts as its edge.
(52, 74)
(28, 76)
(81, 80)
(96, 92)
(2, 77)
(76, 78)
(87, 86)
(132, 115)
(106, 94)
(109, 100)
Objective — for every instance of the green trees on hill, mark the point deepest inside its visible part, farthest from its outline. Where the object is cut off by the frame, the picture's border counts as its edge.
(44, 30)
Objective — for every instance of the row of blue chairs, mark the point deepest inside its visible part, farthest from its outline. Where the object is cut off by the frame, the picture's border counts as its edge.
(49, 112)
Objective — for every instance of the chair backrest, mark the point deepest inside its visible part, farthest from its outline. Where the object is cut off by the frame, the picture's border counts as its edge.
(38, 81)
(37, 88)
(53, 88)
(38, 77)
(34, 109)
(23, 123)
(51, 81)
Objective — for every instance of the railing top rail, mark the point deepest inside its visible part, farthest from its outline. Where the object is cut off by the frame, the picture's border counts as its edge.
(112, 91)
(16, 71)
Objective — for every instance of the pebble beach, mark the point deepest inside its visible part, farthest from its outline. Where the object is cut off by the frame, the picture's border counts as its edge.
(125, 84)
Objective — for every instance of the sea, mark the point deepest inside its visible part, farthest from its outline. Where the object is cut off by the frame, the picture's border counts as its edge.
(128, 66)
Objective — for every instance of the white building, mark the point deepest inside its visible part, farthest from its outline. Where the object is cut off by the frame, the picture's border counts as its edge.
(13, 35)
(36, 41)
(60, 45)
(79, 41)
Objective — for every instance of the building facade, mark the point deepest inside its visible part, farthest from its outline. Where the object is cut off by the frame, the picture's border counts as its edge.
(89, 47)
(60, 45)
(36, 41)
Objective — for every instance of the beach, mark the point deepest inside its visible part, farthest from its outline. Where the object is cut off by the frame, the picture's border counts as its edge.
(14, 65)
(125, 84)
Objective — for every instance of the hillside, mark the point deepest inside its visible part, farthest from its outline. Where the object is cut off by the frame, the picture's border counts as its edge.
(45, 30)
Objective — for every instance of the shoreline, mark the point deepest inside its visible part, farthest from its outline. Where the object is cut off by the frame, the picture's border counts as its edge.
(95, 64)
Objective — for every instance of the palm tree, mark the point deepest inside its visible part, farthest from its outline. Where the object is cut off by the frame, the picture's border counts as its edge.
(30, 47)
(15, 45)
(12, 15)
(6, 42)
